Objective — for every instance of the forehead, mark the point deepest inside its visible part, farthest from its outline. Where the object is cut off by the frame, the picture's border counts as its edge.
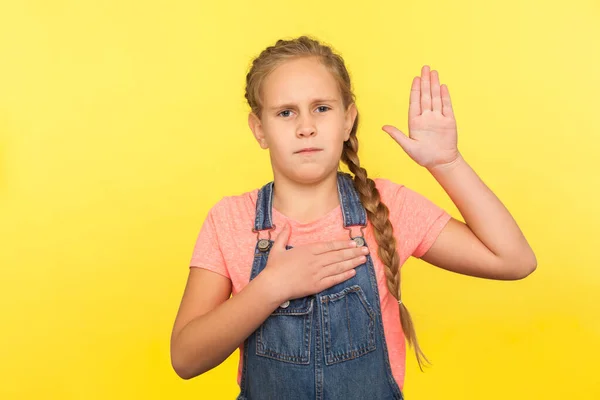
(299, 80)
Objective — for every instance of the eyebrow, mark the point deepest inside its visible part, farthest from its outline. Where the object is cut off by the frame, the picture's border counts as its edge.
(292, 105)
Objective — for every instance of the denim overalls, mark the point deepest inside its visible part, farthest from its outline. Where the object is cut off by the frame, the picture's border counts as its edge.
(328, 346)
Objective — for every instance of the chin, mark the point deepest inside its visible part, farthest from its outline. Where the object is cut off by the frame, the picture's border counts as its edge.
(308, 174)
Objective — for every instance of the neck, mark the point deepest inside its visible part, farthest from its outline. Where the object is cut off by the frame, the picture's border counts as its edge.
(305, 202)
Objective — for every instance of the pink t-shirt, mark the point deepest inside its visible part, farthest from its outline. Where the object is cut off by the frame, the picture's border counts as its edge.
(226, 246)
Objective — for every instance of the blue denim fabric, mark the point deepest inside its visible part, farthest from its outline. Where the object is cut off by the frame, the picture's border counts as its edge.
(328, 346)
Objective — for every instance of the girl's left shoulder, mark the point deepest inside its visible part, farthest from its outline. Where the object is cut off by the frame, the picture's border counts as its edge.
(388, 188)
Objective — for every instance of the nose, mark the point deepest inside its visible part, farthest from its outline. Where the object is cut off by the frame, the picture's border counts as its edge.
(306, 127)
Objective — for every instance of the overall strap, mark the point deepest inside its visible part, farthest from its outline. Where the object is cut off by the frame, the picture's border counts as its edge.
(353, 212)
(264, 217)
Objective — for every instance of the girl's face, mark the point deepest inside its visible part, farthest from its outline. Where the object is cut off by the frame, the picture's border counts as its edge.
(303, 122)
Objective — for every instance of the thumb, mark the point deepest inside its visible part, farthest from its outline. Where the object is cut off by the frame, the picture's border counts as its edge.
(404, 141)
(283, 237)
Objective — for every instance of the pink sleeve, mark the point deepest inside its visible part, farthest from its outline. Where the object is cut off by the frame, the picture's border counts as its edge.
(425, 220)
(417, 221)
(207, 252)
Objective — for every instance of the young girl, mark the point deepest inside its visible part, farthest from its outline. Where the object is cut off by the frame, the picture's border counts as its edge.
(316, 315)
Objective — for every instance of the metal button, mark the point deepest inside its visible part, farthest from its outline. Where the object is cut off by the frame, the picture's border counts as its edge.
(264, 244)
(359, 241)
(285, 304)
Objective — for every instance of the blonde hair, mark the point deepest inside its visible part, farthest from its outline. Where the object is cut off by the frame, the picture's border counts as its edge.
(377, 211)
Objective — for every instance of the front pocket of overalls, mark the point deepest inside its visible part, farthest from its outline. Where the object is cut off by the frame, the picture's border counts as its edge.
(348, 325)
(285, 335)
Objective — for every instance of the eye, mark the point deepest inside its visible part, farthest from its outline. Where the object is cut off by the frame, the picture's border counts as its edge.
(323, 108)
(284, 111)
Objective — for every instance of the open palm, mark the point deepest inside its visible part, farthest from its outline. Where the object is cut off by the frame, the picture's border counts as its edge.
(432, 139)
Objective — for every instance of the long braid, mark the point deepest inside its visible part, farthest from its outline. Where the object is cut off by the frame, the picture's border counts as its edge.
(378, 214)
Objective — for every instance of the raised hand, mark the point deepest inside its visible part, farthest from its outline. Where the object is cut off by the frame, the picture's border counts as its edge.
(432, 139)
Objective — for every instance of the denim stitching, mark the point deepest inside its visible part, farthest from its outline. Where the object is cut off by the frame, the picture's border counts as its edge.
(262, 351)
(370, 346)
(386, 357)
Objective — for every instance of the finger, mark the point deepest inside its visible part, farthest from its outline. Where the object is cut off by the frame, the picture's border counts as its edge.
(404, 141)
(335, 279)
(425, 89)
(342, 267)
(446, 102)
(283, 237)
(414, 106)
(436, 100)
(325, 247)
(335, 257)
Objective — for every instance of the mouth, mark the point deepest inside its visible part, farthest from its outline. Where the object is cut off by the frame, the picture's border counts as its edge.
(308, 150)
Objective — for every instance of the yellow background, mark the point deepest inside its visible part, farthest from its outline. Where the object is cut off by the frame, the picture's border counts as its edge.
(122, 123)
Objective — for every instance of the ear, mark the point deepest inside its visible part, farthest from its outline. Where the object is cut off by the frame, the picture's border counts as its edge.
(350, 117)
(256, 128)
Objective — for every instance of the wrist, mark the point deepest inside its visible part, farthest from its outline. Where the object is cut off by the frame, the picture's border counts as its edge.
(447, 167)
(270, 287)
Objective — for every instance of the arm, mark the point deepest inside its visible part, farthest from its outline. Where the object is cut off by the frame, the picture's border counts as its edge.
(490, 244)
(209, 325)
